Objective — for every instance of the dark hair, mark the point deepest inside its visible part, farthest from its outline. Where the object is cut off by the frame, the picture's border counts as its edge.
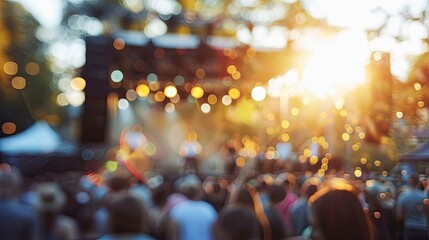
(235, 223)
(160, 194)
(118, 183)
(244, 197)
(276, 193)
(126, 214)
(338, 214)
(414, 179)
(311, 189)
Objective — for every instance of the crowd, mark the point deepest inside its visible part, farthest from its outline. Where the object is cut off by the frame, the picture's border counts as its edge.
(186, 206)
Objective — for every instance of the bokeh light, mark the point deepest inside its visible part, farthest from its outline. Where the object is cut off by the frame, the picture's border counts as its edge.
(226, 100)
(62, 100)
(200, 73)
(111, 165)
(159, 96)
(175, 99)
(123, 104)
(358, 172)
(294, 111)
(10, 68)
(205, 108)
(150, 149)
(169, 107)
(212, 99)
(231, 69)
(143, 90)
(75, 98)
(32, 68)
(78, 83)
(234, 93)
(259, 93)
(119, 44)
(116, 76)
(345, 136)
(197, 92)
(285, 137)
(399, 114)
(170, 91)
(131, 95)
(19, 83)
(8, 128)
(179, 80)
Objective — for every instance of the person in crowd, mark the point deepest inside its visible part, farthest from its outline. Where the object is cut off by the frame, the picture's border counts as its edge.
(50, 201)
(263, 184)
(81, 204)
(18, 221)
(236, 222)
(275, 195)
(230, 155)
(127, 218)
(336, 213)
(178, 206)
(412, 211)
(380, 209)
(84, 215)
(214, 193)
(139, 189)
(190, 150)
(298, 212)
(115, 183)
(161, 223)
(245, 195)
(133, 139)
(287, 181)
(193, 217)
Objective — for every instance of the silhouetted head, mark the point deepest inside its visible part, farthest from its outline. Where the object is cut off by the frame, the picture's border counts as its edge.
(118, 183)
(276, 194)
(235, 223)
(336, 213)
(126, 214)
(413, 179)
(189, 185)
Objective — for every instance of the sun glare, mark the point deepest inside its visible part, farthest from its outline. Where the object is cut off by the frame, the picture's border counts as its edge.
(337, 64)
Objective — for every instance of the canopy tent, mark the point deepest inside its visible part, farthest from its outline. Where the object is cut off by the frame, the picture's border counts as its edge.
(39, 148)
(416, 160)
(420, 153)
(38, 139)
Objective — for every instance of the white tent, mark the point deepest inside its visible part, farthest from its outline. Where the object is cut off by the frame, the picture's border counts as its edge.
(40, 138)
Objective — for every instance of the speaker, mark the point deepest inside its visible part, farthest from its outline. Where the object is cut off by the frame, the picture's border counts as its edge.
(96, 73)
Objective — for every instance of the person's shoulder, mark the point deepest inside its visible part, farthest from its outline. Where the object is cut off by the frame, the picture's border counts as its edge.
(298, 205)
(18, 209)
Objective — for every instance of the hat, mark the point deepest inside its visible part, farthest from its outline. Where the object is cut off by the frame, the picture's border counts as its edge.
(49, 197)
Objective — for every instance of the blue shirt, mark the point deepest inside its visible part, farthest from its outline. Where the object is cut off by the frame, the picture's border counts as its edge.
(411, 208)
(18, 221)
(195, 219)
